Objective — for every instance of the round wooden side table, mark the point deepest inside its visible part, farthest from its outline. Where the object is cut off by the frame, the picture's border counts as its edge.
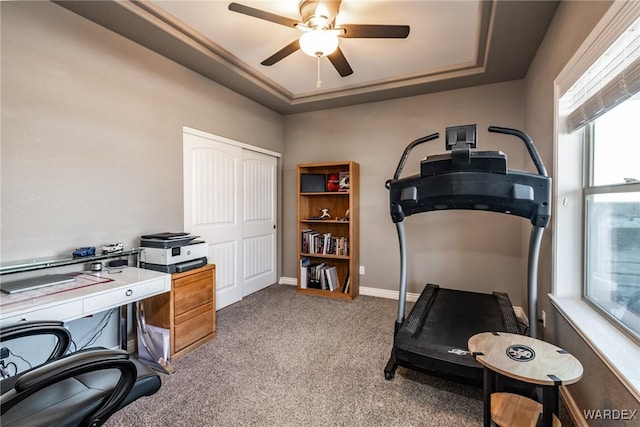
(525, 359)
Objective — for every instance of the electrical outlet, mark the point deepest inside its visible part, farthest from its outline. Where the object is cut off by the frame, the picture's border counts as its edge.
(544, 319)
(362, 270)
(4, 353)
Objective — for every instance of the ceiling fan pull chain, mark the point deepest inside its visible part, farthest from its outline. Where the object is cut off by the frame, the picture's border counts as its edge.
(318, 82)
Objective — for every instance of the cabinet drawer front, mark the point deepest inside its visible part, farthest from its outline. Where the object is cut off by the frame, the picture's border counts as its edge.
(192, 294)
(64, 312)
(201, 275)
(193, 329)
(185, 317)
(122, 296)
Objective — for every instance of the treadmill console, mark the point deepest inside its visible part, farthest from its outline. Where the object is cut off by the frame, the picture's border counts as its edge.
(473, 180)
(479, 161)
(459, 141)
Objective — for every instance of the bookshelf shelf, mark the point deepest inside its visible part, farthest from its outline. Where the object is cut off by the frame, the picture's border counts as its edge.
(328, 249)
(331, 256)
(325, 221)
(324, 193)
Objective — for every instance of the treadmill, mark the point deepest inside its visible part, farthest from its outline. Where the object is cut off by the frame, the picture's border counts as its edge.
(433, 339)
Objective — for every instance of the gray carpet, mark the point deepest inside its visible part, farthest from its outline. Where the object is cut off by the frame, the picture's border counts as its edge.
(285, 359)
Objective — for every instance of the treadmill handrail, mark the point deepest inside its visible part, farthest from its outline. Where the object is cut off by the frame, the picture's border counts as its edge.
(533, 152)
(407, 151)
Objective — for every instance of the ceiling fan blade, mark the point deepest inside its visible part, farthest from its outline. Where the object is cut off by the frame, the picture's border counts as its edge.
(282, 53)
(261, 14)
(365, 31)
(340, 63)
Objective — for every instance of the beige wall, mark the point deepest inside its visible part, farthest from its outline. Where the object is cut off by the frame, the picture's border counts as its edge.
(92, 133)
(599, 388)
(464, 250)
(91, 149)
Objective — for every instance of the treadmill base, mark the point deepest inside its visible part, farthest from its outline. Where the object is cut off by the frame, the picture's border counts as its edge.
(433, 339)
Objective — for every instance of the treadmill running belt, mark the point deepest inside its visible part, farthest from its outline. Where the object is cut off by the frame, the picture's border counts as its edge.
(435, 335)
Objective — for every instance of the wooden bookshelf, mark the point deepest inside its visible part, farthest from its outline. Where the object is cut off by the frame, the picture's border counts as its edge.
(341, 249)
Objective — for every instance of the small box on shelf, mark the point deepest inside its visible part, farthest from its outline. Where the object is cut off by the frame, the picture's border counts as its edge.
(343, 181)
(312, 183)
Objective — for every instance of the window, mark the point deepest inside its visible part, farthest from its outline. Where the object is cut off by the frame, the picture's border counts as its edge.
(612, 215)
(592, 233)
(604, 105)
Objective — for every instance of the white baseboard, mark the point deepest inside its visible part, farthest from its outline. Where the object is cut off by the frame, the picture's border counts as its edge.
(389, 294)
(385, 293)
(288, 281)
(372, 292)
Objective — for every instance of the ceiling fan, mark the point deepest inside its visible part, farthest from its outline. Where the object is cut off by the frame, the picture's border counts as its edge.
(319, 33)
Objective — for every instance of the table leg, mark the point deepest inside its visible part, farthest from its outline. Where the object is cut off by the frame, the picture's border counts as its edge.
(488, 384)
(549, 404)
(122, 326)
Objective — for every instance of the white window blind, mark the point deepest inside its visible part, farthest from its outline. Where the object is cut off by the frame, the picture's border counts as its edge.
(613, 78)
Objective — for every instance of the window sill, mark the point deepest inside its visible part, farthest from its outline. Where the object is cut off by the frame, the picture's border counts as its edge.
(617, 350)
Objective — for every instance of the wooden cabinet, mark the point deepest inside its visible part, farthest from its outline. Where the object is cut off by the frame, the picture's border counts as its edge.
(328, 215)
(188, 311)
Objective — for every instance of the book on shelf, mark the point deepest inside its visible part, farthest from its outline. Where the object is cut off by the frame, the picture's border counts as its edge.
(305, 238)
(323, 278)
(332, 278)
(318, 276)
(347, 282)
(314, 274)
(304, 275)
(312, 242)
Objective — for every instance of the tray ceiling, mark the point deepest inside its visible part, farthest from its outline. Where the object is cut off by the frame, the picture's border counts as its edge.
(451, 44)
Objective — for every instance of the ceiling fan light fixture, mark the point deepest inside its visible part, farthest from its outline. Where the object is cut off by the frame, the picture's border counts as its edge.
(318, 42)
(320, 33)
(318, 21)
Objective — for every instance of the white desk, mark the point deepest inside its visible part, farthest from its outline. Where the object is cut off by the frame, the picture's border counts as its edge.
(67, 301)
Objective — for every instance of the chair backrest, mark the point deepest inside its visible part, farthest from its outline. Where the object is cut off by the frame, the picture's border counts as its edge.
(39, 328)
(54, 329)
(71, 389)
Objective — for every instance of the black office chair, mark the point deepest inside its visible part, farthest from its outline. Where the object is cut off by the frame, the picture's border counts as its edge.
(79, 389)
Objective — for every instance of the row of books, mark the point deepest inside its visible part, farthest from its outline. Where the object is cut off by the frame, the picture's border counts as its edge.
(321, 276)
(313, 242)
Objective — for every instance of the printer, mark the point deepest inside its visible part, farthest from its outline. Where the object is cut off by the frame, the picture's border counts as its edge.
(172, 252)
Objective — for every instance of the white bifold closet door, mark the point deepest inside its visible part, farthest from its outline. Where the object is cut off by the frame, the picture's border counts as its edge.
(230, 201)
